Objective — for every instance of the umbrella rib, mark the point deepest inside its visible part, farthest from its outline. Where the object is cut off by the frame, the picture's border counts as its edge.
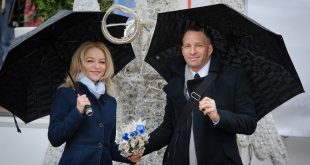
(263, 59)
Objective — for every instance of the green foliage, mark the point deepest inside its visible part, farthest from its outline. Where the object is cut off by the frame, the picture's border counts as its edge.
(105, 4)
(48, 8)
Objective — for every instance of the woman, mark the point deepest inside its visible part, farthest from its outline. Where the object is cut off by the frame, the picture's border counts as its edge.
(89, 139)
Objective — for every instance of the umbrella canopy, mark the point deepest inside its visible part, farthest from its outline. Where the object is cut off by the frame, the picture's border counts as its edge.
(239, 42)
(37, 61)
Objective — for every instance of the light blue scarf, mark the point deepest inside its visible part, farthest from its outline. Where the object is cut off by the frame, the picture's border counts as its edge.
(96, 89)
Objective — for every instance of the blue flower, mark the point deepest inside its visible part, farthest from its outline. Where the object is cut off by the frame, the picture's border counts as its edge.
(125, 136)
(140, 129)
(133, 133)
(134, 138)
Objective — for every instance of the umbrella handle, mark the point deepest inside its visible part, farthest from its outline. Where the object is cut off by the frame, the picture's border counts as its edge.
(132, 27)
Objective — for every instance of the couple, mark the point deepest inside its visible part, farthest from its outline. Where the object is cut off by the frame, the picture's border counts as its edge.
(206, 136)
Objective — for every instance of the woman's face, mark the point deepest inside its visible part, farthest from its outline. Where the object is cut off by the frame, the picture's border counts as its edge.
(94, 64)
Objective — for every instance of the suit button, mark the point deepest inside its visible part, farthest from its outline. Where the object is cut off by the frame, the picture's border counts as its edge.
(100, 125)
(100, 145)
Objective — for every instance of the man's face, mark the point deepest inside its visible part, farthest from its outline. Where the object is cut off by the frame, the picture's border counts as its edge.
(196, 49)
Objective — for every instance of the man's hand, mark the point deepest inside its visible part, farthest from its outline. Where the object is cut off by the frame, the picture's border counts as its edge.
(135, 158)
(208, 107)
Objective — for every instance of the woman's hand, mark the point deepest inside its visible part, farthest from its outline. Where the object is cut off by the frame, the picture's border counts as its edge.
(81, 102)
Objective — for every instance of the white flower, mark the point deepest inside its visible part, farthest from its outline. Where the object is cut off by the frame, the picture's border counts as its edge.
(134, 138)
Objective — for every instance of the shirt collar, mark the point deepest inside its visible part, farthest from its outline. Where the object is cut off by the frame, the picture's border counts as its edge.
(203, 71)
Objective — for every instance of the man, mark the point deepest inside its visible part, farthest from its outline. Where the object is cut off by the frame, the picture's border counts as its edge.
(208, 135)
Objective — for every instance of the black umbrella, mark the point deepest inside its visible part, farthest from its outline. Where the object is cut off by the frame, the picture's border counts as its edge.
(240, 42)
(37, 61)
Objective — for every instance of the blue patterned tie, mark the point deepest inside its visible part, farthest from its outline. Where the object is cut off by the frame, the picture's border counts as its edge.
(196, 76)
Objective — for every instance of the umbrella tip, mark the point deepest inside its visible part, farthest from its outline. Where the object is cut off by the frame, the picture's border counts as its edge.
(16, 125)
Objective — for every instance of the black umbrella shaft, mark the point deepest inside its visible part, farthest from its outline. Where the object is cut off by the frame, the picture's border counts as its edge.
(65, 65)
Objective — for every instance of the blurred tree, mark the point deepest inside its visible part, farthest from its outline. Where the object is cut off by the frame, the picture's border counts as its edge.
(105, 4)
(48, 8)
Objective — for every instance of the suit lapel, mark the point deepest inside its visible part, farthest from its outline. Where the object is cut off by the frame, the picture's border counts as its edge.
(175, 94)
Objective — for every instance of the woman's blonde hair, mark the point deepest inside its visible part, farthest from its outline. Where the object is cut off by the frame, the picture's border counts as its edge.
(77, 66)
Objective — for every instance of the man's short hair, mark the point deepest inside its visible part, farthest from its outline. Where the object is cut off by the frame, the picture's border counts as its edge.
(197, 28)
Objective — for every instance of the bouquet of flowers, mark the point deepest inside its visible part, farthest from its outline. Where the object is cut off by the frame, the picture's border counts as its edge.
(133, 139)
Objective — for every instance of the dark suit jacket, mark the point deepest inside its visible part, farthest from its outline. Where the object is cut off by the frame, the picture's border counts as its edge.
(89, 140)
(215, 144)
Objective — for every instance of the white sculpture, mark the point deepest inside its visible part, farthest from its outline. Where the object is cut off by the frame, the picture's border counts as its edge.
(133, 27)
(86, 5)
